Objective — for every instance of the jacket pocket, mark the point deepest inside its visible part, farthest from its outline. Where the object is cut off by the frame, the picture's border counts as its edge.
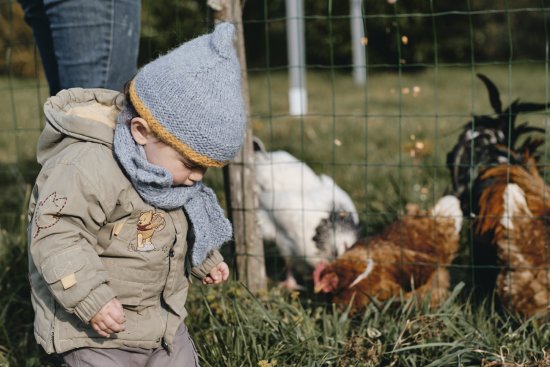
(63, 266)
(130, 294)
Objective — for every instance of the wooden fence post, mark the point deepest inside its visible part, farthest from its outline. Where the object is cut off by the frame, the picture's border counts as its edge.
(240, 174)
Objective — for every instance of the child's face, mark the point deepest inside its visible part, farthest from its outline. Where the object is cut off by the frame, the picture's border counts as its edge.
(182, 170)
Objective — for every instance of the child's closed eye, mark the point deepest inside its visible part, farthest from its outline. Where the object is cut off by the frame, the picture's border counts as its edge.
(189, 164)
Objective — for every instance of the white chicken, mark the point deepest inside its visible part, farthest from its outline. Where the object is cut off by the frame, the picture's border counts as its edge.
(308, 216)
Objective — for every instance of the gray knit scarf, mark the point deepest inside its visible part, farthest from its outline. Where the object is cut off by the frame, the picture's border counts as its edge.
(154, 184)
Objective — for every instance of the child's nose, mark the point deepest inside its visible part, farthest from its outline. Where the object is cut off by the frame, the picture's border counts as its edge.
(197, 174)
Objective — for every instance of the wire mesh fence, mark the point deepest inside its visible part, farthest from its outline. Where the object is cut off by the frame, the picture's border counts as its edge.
(385, 142)
(380, 139)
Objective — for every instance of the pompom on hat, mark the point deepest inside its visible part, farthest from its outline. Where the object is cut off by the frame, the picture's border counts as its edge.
(191, 98)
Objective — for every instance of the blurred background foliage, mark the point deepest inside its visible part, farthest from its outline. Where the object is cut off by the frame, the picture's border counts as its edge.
(403, 33)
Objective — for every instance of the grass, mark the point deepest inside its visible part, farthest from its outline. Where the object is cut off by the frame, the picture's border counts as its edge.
(241, 329)
(21, 119)
(386, 145)
(17, 345)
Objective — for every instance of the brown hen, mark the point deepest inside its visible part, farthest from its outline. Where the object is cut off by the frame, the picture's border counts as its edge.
(515, 209)
(410, 257)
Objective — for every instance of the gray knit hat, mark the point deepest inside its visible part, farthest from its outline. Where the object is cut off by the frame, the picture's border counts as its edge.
(191, 98)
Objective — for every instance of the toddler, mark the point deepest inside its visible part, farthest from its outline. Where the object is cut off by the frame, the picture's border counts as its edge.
(119, 218)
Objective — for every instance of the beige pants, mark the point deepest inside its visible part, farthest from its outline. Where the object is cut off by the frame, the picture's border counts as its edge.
(183, 355)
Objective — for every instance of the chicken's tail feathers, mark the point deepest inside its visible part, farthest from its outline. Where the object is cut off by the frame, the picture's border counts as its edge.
(515, 205)
(494, 95)
(449, 207)
(515, 107)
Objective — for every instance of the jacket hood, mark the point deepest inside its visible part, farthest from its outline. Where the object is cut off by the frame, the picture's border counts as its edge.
(78, 114)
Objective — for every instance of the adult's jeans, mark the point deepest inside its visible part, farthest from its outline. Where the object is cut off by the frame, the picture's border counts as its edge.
(85, 43)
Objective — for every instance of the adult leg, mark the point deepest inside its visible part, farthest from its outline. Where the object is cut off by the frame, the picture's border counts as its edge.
(126, 31)
(95, 42)
(36, 18)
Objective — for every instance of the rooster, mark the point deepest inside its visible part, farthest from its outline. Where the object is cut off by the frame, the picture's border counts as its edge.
(501, 173)
(477, 144)
(410, 257)
(308, 216)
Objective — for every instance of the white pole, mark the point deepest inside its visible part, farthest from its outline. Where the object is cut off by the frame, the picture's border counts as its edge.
(297, 94)
(357, 35)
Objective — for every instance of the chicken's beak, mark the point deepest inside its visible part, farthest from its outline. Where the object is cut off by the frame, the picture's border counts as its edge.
(319, 286)
(317, 279)
(327, 284)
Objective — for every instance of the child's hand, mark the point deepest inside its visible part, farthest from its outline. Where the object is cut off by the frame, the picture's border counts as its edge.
(110, 319)
(218, 274)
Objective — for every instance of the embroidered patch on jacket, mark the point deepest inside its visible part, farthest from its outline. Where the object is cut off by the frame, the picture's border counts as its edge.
(149, 222)
(48, 212)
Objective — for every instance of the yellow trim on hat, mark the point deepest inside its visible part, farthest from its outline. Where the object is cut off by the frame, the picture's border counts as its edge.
(168, 138)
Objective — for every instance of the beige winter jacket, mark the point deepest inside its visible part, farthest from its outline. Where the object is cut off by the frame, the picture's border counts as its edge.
(91, 237)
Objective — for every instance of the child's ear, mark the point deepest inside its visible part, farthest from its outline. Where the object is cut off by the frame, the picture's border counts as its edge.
(140, 130)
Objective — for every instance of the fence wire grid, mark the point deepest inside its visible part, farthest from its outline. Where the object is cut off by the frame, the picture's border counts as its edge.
(383, 139)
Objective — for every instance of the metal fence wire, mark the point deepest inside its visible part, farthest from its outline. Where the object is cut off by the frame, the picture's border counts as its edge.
(366, 101)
